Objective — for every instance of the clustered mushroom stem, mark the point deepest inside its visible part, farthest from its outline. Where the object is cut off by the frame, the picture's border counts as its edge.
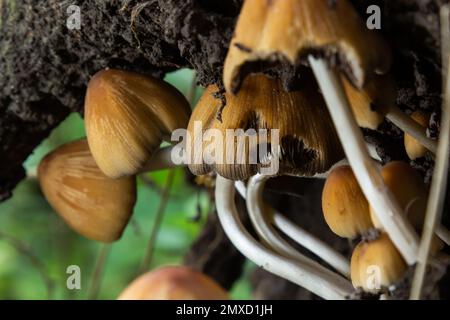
(386, 207)
(438, 188)
(324, 284)
(411, 127)
(255, 207)
(268, 235)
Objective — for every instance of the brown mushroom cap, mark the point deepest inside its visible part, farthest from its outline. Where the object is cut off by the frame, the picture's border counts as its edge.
(174, 283)
(308, 141)
(378, 261)
(344, 205)
(371, 103)
(414, 148)
(269, 32)
(92, 204)
(127, 115)
(408, 188)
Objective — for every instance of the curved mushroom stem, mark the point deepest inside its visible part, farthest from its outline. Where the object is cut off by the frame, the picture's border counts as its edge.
(411, 127)
(256, 206)
(368, 175)
(311, 276)
(438, 190)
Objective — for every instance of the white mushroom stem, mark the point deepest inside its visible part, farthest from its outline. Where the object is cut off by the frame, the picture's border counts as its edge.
(388, 211)
(411, 127)
(315, 245)
(311, 276)
(256, 207)
(438, 190)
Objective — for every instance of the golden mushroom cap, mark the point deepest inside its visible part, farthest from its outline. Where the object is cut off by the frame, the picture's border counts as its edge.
(344, 205)
(414, 148)
(371, 103)
(288, 30)
(174, 283)
(409, 190)
(127, 116)
(376, 264)
(308, 140)
(92, 204)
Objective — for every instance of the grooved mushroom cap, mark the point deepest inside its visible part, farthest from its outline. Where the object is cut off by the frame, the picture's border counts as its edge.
(344, 205)
(414, 148)
(271, 31)
(127, 116)
(174, 283)
(376, 262)
(307, 138)
(371, 103)
(92, 204)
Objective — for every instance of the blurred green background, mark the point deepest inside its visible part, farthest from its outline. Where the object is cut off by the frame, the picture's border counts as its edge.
(36, 247)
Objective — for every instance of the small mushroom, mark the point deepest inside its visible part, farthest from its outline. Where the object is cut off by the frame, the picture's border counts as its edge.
(91, 203)
(277, 31)
(414, 148)
(307, 139)
(408, 188)
(376, 265)
(411, 193)
(377, 100)
(344, 205)
(174, 283)
(127, 117)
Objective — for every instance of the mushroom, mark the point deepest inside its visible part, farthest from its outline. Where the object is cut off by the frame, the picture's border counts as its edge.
(414, 148)
(174, 283)
(274, 31)
(376, 101)
(127, 117)
(408, 188)
(376, 265)
(344, 205)
(307, 139)
(319, 31)
(91, 203)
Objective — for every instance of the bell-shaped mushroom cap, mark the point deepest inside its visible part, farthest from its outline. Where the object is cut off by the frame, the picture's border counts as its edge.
(92, 204)
(344, 205)
(371, 103)
(269, 32)
(376, 264)
(307, 138)
(174, 283)
(127, 115)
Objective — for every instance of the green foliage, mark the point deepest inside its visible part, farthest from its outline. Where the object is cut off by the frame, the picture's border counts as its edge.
(36, 247)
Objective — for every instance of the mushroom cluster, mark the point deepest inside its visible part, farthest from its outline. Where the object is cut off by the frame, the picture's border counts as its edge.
(376, 264)
(256, 125)
(91, 183)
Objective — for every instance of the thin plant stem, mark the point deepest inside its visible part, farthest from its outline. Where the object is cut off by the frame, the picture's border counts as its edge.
(97, 275)
(146, 261)
(25, 250)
